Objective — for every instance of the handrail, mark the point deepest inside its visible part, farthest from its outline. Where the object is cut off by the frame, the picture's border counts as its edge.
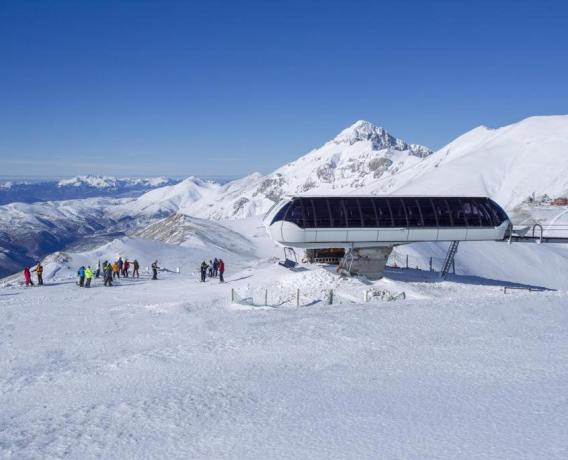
(541, 232)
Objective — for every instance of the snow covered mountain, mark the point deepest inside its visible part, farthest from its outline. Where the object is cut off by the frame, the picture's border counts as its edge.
(357, 157)
(512, 164)
(515, 164)
(78, 187)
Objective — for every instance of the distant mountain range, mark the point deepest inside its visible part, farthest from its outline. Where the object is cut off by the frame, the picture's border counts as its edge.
(516, 165)
(77, 188)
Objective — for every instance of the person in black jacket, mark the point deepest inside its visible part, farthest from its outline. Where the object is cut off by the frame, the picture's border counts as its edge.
(204, 268)
(136, 266)
(107, 273)
(155, 269)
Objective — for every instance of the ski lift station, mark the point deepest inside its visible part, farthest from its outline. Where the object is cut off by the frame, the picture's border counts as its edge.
(368, 227)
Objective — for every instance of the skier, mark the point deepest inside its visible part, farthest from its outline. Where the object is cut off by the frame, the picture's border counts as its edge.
(115, 270)
(98, 272)
(120, 263)
(88, 276)
(155, 269)
(28, 277)
(221, 270)
(215, 267)
(210, 268)
(136, 267)
(39, 270)
(125, 268)
(204, 267)
(81, 274)
(107, 270)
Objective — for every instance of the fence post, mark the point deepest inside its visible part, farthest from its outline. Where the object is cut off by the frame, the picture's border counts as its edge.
(407, 261)
(232, 295)
(297, 298)
(431, 264)
(266, 297)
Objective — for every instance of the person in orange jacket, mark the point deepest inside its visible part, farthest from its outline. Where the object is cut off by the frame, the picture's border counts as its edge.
(115, 270)
(39, 271)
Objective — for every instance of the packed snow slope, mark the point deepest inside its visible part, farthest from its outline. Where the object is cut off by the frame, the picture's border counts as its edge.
(172, 369)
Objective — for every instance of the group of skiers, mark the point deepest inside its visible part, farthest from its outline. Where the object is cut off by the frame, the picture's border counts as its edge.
(122, 268)
(109, 271)
(215, 268)
(38, 269)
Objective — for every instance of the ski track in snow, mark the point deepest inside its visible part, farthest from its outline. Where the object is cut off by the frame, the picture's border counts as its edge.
(171, 369)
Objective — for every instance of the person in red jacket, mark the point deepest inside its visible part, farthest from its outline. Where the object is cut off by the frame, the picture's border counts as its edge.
(221, 270)
(125, 268)
(28, 277)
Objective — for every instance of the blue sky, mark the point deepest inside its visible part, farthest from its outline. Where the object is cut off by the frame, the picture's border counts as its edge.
(227, 88)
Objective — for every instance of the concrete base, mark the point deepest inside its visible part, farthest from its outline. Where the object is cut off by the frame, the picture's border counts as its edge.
(369, 262)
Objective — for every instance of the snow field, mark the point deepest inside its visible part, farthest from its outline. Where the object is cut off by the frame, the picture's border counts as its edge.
(170, 369)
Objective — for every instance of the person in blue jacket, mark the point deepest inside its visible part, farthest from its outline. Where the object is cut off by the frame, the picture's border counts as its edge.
(81, 274)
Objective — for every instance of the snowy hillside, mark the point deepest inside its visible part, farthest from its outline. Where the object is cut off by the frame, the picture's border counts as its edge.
(30, 231)
(509, 164)
(78, 187)
(182, 230)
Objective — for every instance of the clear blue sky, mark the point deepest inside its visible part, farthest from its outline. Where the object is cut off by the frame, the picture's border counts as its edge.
(226, 88)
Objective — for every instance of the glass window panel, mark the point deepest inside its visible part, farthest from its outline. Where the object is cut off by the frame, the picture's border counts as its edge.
(338, 218)
(484, 215)
(413, 212)
(353, 212)
(492, 218)
(296, 214)
(499, 215)
(383, 212)
(471, 212)
(368, 212)
(492, 211)
(443, 212)
(457, 212)
(309, 214)
(323, 217)
(428, 212)
(280, 215)
(398, 212)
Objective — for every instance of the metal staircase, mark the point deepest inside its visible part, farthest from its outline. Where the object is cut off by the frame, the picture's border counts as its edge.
(449, 261)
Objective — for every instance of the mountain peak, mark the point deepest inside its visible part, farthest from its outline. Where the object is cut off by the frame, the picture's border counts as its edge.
(380, 139)
(360, 130)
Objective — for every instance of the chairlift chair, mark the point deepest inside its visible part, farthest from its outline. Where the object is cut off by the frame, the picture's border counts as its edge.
(290, 259)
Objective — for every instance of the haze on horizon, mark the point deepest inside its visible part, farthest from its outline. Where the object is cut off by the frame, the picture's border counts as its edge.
(227, 88)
